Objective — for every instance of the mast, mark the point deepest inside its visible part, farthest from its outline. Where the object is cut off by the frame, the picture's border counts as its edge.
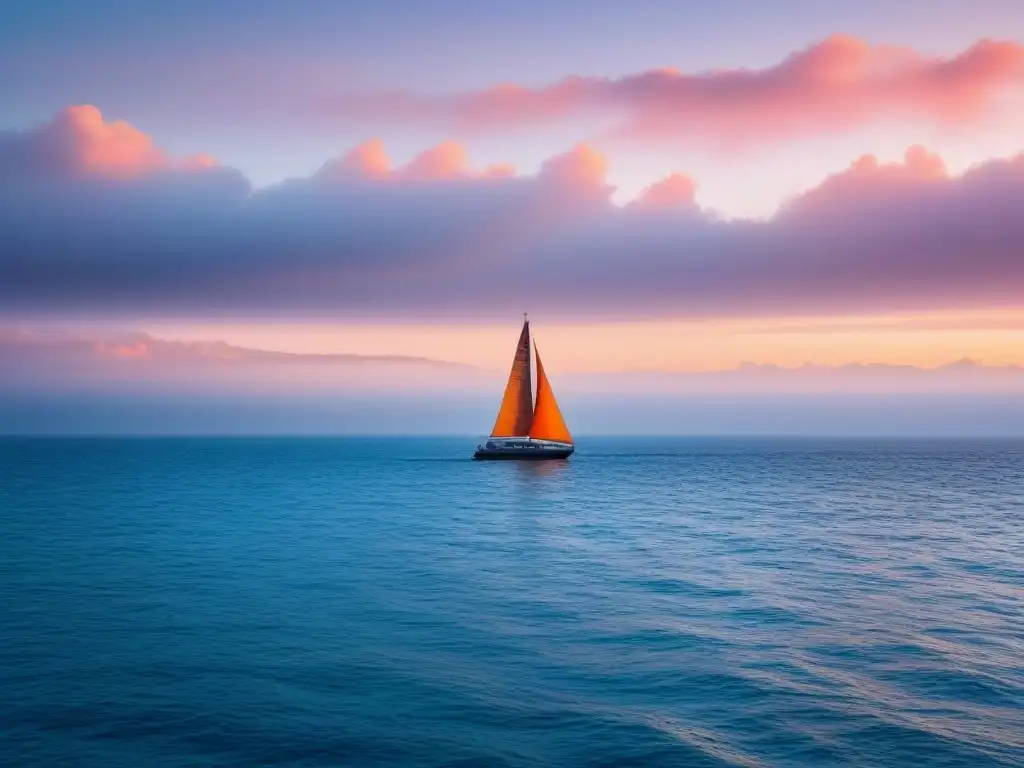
(516, 413)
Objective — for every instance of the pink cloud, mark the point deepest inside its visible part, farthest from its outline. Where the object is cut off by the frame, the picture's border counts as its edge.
(837, 85)
(80, 142)
(139, 349)
(445, 161)
(583, 166)
(870, 183)
(675, 190)
(370, 161)
(436, 236)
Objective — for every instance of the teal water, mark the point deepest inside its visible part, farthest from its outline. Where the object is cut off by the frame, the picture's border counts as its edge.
(387, 602)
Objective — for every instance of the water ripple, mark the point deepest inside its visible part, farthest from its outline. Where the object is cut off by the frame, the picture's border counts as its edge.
(714, 603)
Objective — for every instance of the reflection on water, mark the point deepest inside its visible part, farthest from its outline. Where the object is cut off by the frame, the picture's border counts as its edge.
(532, 469)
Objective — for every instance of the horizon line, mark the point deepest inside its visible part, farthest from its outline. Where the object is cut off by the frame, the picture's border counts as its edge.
(463, 436)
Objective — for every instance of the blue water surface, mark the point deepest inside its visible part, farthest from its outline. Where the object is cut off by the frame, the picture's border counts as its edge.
(387, 602)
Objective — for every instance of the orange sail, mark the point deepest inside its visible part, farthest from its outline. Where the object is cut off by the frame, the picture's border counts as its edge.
(548, 423)
(516, 413)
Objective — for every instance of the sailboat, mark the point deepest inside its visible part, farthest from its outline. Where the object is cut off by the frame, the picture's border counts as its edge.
(524, 429)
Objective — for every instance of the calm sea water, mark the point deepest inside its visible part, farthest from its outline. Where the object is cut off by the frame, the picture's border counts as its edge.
(309, 602)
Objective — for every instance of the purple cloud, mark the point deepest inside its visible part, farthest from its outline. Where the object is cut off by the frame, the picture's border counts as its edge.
(94, 219)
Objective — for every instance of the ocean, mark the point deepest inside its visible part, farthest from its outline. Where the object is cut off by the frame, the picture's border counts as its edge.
(387, 602)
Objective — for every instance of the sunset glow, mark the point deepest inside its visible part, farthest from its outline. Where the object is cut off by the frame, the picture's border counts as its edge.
(842, 198)
(919, 340)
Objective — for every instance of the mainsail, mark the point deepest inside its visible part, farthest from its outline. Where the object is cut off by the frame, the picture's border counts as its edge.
(516, 413)
(548, 423)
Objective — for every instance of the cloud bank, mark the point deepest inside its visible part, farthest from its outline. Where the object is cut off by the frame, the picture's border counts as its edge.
(37, 362)
(70, 363)
(95, 219)
(834, 86)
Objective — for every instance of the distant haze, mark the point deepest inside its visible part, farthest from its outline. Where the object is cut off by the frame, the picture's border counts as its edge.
(60, 384)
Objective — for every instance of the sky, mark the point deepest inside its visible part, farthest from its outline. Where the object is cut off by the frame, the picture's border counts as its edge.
(666, 187)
